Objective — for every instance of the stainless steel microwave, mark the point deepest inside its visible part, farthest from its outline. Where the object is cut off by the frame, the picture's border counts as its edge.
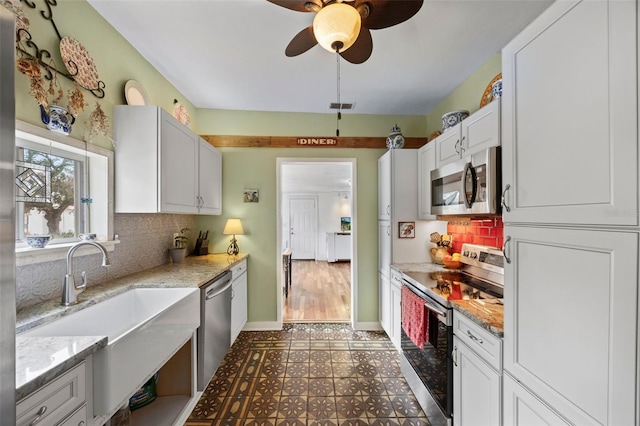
(468, 186)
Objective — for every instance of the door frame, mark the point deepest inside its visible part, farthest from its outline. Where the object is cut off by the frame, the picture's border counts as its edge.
(280, 162)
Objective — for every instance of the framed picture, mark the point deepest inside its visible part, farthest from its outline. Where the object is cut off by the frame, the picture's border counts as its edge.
(345, 224)
(406, 229)
(251, 195)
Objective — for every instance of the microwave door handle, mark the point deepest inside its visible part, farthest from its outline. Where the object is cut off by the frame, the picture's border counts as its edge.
(468, 168)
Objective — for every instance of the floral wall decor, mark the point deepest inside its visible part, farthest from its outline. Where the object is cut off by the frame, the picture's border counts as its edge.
(44, 74)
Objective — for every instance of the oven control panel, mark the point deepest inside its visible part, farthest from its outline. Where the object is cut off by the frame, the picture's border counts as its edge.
(489, 258)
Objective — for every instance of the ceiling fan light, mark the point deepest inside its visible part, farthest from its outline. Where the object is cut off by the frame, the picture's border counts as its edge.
(337, 24)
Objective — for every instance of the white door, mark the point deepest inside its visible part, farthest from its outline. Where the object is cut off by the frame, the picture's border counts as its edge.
(302, 228)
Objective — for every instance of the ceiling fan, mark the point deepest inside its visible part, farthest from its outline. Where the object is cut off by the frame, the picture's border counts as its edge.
(343, 26)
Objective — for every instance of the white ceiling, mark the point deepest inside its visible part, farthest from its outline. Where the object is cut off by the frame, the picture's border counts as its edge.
(229, 54)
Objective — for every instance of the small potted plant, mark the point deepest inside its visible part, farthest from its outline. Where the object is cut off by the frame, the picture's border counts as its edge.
(179, 249)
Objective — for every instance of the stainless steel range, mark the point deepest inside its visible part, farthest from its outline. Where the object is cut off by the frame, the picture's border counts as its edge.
(429, 369)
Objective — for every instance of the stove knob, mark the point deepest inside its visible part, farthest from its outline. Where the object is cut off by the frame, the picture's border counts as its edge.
(473, 255)
(466, 253)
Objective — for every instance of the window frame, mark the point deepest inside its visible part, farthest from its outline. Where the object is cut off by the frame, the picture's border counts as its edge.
(101, 178)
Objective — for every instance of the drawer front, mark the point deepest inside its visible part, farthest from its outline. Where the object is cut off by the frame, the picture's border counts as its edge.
(485, 344)
(55, 400)
(79, 418)
(396, 277)
(238, 269)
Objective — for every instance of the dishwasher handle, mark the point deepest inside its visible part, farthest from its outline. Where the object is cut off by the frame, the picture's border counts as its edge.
(218, 285)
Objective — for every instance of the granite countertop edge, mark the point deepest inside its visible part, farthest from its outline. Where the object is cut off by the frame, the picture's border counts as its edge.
(492, 321)
(194, 272)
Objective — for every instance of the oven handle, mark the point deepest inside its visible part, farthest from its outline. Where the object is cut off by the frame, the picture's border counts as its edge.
(435, 309)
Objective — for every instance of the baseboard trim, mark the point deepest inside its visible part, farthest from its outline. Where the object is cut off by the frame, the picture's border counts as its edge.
(368, 326)
(262, 326)
(275, 325)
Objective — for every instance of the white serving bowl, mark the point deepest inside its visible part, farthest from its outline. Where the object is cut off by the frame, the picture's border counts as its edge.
(38, 241)
(452, 118)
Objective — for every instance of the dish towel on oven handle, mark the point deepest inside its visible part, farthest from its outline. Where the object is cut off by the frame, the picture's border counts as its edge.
(415, 320)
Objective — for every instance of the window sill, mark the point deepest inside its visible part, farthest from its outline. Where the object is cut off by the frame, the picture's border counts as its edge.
(28, 255)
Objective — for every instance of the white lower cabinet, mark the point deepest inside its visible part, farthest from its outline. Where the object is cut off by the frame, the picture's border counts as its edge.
(570, 320)
(56, 400)
(395, 308)
(238, 299)
(523, 408)
(477, 375)
(79, 418)
(385, 302)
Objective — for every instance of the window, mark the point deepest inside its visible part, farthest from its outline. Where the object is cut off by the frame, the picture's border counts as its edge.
(51, 193)
(64, 187)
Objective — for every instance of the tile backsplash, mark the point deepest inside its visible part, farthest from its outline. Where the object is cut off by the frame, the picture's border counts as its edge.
(485, 231)
(144, 243)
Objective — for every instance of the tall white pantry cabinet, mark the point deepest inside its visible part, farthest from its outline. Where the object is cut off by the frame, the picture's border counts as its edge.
(571, 192)
(397, 202)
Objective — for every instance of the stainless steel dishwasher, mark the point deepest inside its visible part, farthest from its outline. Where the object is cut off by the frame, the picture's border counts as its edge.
(214, 333)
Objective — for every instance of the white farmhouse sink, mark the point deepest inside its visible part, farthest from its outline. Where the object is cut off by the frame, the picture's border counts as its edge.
(144, 326)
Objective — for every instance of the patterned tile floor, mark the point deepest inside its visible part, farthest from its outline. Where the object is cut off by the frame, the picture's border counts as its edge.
(309, 374)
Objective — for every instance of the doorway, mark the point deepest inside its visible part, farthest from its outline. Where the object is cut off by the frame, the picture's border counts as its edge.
(316, 208)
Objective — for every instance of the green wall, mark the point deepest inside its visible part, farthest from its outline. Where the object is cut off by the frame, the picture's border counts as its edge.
(468, 95)
(256, 168)
(257, 123)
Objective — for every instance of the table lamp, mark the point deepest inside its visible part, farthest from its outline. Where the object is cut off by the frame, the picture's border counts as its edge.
(233, 227)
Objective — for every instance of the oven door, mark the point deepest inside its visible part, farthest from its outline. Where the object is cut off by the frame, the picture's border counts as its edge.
(467, 186)
(432, 363)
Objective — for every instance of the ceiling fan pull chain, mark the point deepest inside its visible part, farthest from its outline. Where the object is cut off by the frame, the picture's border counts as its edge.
(339, 116)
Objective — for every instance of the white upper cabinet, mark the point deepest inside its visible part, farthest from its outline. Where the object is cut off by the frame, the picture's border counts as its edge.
(448, 145)
(384, 187)
(163, 167)
(570, 116)
(426, 163)
(570, 320)
(210, 179)
(481, 130)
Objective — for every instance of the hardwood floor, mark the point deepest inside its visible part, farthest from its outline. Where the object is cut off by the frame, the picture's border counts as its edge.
(321, 291)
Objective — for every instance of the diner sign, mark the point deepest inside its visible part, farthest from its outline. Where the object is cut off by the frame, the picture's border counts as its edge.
(317, 141)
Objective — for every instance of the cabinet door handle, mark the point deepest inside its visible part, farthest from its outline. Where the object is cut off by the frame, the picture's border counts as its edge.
(462, 144)
(389, 230)
(504, 198)
(456, 146)
(389, 209)
(454, 355)
(39, 415)
(504, 249)
(474, 338)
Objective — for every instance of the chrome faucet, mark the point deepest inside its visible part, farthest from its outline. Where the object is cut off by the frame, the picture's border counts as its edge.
(70, 290)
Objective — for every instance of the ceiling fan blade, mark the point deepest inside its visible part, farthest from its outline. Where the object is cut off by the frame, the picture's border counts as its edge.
(302, 42)
(297, 5)
(387, 13)
(361, 49)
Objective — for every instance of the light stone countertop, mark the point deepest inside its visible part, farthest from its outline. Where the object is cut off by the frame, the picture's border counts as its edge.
(40, 359)
(489, 316)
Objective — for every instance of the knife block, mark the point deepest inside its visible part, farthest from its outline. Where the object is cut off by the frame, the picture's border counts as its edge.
(204, 248)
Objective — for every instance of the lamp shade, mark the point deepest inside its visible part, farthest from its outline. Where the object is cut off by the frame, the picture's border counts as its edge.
(337, 26)
(233, 227)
